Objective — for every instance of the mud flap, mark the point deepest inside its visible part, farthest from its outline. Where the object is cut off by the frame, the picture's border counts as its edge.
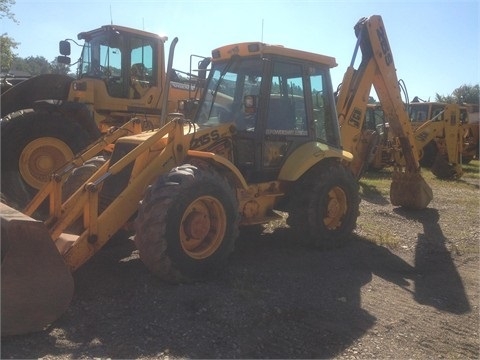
(37, 286)
(410, 190)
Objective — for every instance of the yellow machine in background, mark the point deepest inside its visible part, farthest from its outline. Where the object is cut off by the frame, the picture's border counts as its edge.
(49, 118)
(265, 137)
(421, 112)
(445, 141)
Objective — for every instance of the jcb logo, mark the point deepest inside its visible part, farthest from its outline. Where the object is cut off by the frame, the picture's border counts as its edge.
(204, 139)
(355, 118)
(387, 53)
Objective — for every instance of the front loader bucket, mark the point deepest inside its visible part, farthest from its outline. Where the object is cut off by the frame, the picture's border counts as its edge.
(36, 286)
(410, 190)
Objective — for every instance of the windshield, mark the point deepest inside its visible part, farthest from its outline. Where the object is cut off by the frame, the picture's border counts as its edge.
(101, 57)
(229, 83)
(126, 62)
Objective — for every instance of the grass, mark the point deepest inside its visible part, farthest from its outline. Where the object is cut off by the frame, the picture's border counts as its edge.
(456, 201)
(471, 170)
(378, 182)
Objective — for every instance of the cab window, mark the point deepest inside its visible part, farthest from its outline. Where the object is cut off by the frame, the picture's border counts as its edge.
(141, 68)
(231, 83)
(325, 126)
(287, 110)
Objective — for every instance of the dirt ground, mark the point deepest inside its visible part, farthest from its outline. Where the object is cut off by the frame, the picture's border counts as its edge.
(409, 290)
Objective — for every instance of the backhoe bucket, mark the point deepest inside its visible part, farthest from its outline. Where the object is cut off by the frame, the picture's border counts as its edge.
(37, 286)
(410, 190)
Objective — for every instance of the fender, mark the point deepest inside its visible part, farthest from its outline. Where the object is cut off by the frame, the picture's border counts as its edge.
(306, 156)
(220, 160)
(47, 87)
(41, 87)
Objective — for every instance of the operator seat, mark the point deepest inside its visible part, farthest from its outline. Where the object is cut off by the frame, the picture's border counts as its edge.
(138, 83)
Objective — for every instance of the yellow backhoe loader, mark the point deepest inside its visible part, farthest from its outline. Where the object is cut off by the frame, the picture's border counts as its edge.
(47, 119)
(265, 138)
(444, 142)
(421, 112)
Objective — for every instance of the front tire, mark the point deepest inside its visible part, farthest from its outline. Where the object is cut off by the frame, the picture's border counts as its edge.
(325, 206)
(187, 224)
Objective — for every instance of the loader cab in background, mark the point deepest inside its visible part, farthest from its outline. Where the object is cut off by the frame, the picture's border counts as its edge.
(126, 61)
(276, 104)
(118, 65)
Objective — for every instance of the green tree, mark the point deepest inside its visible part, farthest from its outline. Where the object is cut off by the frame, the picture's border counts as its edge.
(5, 10)
(34, 65)
(464, 94)
(57, 68)
(7, 44)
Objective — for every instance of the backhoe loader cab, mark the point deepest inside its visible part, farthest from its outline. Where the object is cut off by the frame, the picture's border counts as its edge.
(279, 99)
(424, 111)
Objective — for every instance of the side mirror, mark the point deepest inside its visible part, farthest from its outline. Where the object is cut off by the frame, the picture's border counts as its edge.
(63, 60)
(64, 47)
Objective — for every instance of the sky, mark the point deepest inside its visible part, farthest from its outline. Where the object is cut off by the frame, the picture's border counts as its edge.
(435, 44)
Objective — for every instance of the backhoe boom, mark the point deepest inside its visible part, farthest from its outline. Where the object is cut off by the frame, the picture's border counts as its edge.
(377, 69)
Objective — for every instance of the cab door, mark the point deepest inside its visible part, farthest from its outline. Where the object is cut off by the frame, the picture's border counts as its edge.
(285, 116)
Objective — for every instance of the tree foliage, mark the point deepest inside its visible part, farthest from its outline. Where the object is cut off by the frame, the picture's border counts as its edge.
(7, 44)
(5, 10)
(36, 65)
(464, 94)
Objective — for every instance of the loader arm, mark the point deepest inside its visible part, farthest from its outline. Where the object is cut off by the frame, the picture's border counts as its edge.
(377, 69)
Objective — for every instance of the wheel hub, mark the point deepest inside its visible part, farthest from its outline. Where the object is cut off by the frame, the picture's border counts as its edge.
(196, 225)
(336, 208)
(203, 227)
(40, 158)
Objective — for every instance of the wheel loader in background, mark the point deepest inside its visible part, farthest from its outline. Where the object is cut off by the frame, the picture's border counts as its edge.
(49, 118)
(265, 138)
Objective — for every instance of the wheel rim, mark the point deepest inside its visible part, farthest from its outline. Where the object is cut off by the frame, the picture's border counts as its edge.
(203, 227)
(336, 208)
(40, 158)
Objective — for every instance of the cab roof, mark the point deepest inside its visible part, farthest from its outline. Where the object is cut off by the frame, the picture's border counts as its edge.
(87, 35)
(259, 48)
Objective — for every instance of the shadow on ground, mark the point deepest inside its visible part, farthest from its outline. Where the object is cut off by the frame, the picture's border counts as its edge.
(275, 299)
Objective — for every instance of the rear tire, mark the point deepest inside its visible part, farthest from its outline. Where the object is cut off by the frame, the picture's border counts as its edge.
(35, 144)
(325, 206)
(187, 224)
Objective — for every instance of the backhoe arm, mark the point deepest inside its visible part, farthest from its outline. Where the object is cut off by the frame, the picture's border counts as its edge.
(377, 69)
